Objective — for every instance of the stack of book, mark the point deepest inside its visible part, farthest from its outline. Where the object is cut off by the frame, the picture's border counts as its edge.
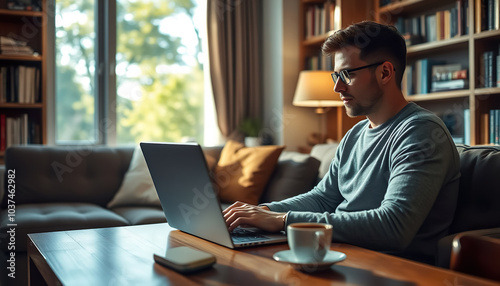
(448, 77)
(20, 84)
(9, 46)
(495, 126)
(439, 25)
(322, 18)
(487, 15)
(489, 69)
(18, 130)
(430, 75)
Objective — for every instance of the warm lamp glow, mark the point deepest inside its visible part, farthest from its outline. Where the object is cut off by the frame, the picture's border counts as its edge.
(315, 89)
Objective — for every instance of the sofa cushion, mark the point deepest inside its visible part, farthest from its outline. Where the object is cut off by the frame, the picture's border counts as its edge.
(141, 215)
(242, 173)
(295, 173)
(137, 187)
(325, 154)
(479, 196)
(67, 174)
(33, 218)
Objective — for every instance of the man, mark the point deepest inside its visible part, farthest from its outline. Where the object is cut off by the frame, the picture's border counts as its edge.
(393, 183)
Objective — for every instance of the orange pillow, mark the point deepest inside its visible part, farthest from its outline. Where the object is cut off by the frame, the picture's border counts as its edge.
(242, 172)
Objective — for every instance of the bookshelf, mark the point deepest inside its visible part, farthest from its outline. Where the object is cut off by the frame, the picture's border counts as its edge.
(463, 32)
(332, 15)
(22, 76)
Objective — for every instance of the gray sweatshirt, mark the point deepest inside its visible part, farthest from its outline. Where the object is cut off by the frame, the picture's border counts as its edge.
(392, 188)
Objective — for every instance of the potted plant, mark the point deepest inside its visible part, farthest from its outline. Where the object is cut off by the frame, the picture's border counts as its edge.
(251, 128)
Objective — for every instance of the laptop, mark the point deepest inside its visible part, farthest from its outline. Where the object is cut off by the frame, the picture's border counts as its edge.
(189, 199)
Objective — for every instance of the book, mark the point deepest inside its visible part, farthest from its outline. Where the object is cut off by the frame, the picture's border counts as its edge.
(426, 73)
(494, 126)
(467, 126)
(449, 85)
(408, 80)
(448, 77)
(487, 69)
(431, 28)
(3, 132)
(498, 72)
(448, 72)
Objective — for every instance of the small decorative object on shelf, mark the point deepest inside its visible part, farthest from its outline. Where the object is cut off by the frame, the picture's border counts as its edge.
(25, 5)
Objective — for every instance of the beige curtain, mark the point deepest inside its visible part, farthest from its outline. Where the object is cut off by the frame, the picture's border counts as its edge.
(233, 47)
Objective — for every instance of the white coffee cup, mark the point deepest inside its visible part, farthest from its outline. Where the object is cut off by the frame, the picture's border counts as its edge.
(309, 241)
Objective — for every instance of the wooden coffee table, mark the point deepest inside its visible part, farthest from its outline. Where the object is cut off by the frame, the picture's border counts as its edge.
(124, 256)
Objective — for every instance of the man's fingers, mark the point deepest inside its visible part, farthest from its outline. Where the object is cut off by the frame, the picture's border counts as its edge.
(234, 205)
(239, 221)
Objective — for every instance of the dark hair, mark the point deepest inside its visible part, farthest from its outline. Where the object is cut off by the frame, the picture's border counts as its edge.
(376, 41)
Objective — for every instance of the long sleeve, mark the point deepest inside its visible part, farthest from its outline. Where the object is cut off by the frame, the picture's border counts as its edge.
(389, 188)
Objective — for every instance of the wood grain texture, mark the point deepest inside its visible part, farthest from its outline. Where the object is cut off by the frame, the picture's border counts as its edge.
(124, 256)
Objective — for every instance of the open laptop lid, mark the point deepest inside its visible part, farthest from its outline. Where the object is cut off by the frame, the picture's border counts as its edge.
(188, 198)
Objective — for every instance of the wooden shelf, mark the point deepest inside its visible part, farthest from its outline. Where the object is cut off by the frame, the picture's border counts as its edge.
(487, 34)
(316, 40)
(408, 7)
(346, 13)
(466, 49)
(426, 48)
(19, 13)
(21, 105)
(13, 24)
(439, 95)
(20, 58)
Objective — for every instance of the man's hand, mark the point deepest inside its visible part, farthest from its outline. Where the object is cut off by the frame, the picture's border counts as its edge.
(261, 217)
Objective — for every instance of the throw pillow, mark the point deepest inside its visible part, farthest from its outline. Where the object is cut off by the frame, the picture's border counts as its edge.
(242, 173)
(295, 173)
(137, 187)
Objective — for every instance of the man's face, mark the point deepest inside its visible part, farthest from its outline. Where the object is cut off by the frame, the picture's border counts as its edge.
(363, 94)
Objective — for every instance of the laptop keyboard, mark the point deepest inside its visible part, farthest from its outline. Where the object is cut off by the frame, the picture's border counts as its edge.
(241, 235)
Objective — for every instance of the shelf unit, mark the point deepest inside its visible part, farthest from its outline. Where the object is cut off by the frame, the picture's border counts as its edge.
(30, 27)
(468, 108)
(346, 12)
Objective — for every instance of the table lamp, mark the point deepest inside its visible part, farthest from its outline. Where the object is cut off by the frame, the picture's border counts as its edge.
(315, 89)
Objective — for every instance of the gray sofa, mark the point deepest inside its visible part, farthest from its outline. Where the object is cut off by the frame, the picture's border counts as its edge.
(65, 188)
(59, 188)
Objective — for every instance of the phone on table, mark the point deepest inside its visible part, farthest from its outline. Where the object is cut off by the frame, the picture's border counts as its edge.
(185, 259)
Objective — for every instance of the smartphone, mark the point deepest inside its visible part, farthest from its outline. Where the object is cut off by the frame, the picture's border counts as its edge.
(185, 259)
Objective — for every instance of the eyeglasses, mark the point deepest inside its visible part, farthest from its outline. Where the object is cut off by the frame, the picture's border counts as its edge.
(344, 74)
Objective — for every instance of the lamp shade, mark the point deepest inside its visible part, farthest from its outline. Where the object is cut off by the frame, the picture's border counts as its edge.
(315, 89)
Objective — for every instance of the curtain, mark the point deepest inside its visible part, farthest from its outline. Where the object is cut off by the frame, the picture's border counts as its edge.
(234, 55)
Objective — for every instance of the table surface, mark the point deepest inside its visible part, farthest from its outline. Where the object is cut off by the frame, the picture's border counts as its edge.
(124, 256)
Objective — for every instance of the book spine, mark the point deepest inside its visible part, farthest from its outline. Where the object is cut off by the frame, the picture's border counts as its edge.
(497, 126)
(498, 71)
(467, 126)
(3, 132)
(492, 126)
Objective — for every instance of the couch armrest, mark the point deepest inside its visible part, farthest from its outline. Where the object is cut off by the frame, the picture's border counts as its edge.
(445, 244)
(2, 180)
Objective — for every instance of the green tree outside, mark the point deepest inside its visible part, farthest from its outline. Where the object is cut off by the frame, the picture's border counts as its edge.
(161, 98)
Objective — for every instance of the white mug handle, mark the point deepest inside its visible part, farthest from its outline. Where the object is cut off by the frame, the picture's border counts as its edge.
(321, 240)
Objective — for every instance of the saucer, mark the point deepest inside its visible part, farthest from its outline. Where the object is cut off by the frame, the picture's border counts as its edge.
(331, 258)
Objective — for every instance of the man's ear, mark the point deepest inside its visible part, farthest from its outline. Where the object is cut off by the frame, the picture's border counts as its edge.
(388, 72)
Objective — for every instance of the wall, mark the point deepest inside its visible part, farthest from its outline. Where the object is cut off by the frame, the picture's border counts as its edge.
(290, 125)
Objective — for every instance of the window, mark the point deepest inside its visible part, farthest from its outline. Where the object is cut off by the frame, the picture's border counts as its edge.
(155, 89)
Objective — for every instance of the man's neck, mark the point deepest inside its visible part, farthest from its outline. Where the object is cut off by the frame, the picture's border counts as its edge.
(388, 108)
